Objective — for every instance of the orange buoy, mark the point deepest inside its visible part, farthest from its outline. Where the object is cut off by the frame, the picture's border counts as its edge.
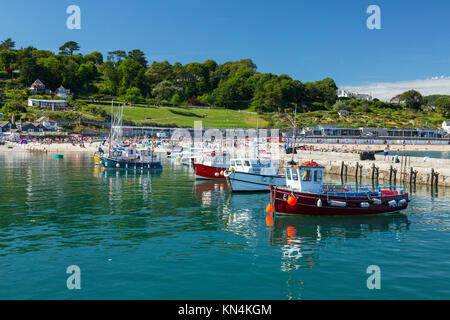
(292, 201)
(269, 208)
(269, 220)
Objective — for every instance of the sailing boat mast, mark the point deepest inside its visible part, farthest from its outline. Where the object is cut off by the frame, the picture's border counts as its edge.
(293, 133)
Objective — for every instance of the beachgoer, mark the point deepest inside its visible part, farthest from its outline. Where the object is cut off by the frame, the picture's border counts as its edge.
(386, 152)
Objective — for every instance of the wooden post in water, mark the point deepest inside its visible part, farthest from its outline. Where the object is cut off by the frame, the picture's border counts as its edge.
(390, 175)
(432, 176)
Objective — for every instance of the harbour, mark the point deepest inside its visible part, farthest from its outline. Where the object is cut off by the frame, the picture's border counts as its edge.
(164, 235)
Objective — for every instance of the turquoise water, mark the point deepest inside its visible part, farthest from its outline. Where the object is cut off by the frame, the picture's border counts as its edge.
(162, 236)
(429, 154)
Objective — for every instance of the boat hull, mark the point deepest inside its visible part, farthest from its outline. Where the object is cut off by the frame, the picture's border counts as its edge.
(208, 172)
(307, 203)
(130, 165)
(250, 182)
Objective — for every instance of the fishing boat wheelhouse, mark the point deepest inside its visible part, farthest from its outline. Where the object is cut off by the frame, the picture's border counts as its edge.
(305, 194)
(246, 174)
(130, 158)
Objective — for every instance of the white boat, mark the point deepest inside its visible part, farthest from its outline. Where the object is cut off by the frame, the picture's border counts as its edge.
(253, 175)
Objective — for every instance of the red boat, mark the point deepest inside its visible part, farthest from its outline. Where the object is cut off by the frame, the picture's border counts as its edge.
(305, 194)
(213, 167)
(208, 172)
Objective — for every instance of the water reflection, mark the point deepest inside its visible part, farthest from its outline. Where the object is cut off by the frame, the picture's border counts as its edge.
(300, 237)
(211, 192)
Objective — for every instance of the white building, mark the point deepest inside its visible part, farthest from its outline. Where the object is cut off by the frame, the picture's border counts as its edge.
(342, 93)
(446, 126)
(53, 105)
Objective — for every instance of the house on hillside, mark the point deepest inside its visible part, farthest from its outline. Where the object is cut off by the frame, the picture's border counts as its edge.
(38, 87)
(342, 93)
(6, 126)
(63, 92)
(446, 126)
(362, 96)
(50, 125)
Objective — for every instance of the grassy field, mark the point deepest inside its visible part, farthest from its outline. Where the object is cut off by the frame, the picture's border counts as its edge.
(185, 117)
(375, 118)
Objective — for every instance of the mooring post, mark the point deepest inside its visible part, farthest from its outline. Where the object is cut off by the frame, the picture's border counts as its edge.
(432, 176)
(390, 175)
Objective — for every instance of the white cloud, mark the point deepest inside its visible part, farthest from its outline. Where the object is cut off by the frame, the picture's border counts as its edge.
(386, 90)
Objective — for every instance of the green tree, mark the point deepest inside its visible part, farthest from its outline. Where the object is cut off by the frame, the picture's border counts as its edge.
(116, 56)
(176, 100)
(443, 105)
(86, 75)
(139, 56)
(165, 90)
(7, 58)
(94, 57)
(132, 95)
(412, 99)
(13, 109)
(132, 74)
(7, 44)
(69, 48)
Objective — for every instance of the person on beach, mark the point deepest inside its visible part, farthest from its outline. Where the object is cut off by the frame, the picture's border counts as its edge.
(386, 152)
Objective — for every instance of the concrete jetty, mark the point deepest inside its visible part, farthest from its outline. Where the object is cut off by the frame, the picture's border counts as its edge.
(426, 171)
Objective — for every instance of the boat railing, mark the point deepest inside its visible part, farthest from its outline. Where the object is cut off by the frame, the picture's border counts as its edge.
(331, 189)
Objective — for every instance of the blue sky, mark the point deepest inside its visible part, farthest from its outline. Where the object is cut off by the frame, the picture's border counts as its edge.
(309, 40)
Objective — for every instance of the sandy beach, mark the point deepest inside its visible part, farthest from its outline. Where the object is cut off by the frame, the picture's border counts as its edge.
(49, 148)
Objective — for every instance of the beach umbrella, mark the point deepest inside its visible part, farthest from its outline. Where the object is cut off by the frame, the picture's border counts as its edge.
(23, 141)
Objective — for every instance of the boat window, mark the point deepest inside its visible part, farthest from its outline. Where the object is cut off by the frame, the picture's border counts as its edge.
(306, 175)
(238, 163)
(294, 175)
(288, 174)
(318, 175)
(247, 163)
(233, 163)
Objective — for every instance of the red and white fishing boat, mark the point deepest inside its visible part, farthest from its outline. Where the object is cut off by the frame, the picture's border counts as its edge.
(212, 166)
(305, 194)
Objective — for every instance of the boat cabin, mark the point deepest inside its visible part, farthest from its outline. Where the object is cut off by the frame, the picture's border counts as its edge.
(305, 178)
(256, 166)
(124, 153)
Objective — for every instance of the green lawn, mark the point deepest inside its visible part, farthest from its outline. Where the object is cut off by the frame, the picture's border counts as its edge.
(185, 117)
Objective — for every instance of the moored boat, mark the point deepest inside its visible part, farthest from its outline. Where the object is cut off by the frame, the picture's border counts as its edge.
(212, 166)
(130, 158)
(305, 194)
(253, 175)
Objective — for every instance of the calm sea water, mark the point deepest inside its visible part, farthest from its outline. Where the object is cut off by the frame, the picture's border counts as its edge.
(429, 154)
(163, 236)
